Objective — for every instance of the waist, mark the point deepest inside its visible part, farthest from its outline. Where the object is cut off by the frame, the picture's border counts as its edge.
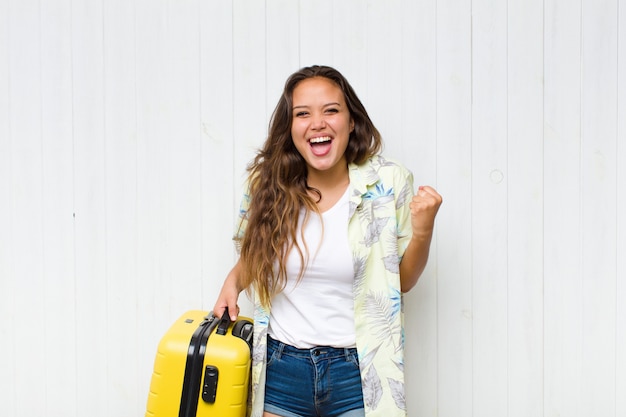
(317, 352)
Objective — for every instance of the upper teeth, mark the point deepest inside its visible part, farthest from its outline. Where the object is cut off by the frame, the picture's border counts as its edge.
(320, 140)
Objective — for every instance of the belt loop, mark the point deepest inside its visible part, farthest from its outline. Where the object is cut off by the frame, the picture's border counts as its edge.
(346, 352)
(279, 351)
(279, 346)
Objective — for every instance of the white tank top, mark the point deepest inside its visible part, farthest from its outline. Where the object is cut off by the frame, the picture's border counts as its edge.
(318, 310)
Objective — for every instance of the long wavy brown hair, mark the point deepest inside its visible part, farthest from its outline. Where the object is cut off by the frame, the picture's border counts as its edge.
(278, 187)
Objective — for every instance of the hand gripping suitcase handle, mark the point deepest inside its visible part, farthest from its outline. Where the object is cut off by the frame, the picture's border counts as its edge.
(222, 326)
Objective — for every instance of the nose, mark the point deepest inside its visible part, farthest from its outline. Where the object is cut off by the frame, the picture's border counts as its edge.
(318, 122)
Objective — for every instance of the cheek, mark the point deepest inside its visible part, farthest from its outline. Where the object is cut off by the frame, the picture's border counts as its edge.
(297, 139)
(343, 125)
(297, 130)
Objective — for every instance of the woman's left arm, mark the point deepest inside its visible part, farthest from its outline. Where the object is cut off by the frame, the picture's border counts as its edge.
(424, 207)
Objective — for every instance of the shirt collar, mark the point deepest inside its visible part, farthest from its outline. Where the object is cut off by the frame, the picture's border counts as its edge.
(361, 177)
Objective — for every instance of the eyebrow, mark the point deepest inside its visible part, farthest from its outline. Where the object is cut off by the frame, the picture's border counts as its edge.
(304, 106)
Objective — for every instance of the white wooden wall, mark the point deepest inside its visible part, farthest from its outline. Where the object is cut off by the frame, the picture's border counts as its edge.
(126, 126)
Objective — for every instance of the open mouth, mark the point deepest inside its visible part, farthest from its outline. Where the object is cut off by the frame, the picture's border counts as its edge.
(320, 140)
(320, 146)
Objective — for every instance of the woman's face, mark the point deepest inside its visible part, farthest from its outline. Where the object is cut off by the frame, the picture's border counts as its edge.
(321, 124)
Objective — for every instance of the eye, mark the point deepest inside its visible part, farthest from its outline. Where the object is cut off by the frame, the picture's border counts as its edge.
(301, 113)
(332, 110)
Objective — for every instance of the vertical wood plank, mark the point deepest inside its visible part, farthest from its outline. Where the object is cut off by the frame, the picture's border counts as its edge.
(152, 152)
(384, 72)
(317, 30)
(282, 47)
(120, 164)
(219, 204)
(599, 164)
(489, 207)
(620, 313)
(562, 197)
(184, 170)
(89, 207)
(417, 139)
(563, 285)
(350, 44)
(58, 208)
(249, 50)
(454, 168)
(7, 306)
(419, 151)
(525, 208)
(25, 109)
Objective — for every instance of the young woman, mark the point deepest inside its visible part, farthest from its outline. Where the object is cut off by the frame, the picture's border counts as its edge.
(330, 235)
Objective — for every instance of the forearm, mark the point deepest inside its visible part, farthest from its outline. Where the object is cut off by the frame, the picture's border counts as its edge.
(424, 207)
(230, 293)
(414, 261)
(233, 277)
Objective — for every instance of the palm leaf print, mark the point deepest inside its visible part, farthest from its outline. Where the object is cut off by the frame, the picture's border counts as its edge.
(392, 263)
(383, 162)
(374, 229)
(397, 392)
(399, 362)
(379, 192)
(381, 314)
(372, 388)
(405, 195)
(359, 274)
(259, 350)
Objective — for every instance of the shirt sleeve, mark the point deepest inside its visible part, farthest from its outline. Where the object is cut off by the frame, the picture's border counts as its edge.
(404, 183)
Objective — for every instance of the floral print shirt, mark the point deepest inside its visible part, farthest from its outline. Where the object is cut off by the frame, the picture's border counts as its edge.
(379, 231)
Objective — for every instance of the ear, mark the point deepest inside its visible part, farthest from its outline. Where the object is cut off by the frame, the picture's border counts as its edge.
(351, 125)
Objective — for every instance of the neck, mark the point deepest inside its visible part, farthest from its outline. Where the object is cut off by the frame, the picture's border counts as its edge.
(337, 177)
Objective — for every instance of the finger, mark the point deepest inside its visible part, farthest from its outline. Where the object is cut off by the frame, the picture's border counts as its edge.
(422, 198)
(233, 311)
(430, 191)
(218, 311)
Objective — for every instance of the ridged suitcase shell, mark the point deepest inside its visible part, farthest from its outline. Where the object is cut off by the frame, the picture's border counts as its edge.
(176, 390)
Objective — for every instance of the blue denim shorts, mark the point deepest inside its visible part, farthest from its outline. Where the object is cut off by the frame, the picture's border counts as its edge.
(317, 382)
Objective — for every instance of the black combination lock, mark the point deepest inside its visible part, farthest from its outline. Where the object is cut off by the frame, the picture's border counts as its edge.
(209, 387)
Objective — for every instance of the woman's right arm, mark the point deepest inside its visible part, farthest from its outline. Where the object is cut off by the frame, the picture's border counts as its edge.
(229, 294)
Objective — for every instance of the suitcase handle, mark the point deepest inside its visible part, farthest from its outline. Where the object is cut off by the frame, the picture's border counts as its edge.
(222, 326)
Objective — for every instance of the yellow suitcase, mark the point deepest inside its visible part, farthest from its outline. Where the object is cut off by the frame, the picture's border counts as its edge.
(202, 368)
